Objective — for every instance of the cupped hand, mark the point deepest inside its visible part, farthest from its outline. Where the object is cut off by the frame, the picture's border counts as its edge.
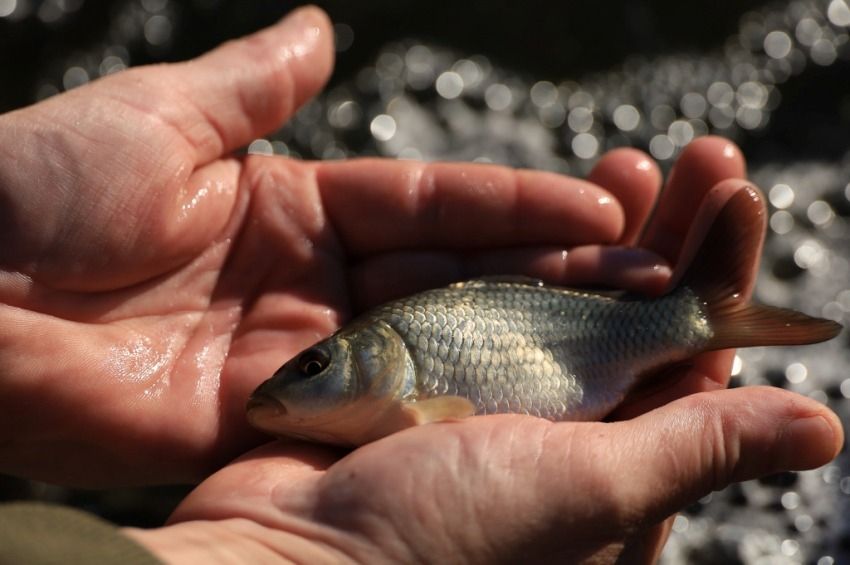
(515, 488)
(496, 489)
(149, 279)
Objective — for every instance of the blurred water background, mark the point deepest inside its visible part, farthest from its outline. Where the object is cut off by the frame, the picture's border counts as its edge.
(551, 86)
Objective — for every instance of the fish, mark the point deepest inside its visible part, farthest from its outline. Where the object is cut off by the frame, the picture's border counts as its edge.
(511, 344)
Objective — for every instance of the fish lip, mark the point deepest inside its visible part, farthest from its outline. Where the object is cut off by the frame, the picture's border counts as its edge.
(262, 407)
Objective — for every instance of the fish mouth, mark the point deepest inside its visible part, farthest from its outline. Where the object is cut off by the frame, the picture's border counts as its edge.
(262, 408)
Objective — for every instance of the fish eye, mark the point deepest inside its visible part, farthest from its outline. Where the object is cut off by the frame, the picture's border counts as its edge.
(313, 361)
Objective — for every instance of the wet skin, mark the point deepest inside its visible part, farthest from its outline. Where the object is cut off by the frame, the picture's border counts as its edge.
(149, 280)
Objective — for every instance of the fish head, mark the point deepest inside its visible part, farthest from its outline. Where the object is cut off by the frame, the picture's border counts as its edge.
(334, 391)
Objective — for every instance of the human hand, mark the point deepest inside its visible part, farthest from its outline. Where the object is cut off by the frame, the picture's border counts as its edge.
(149, 280)
(496, 489)
(509, 488)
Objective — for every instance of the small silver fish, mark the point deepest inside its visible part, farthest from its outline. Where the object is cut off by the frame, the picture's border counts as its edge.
(510, 344)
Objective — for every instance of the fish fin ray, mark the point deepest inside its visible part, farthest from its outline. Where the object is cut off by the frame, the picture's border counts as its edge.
(752, 325)
(402, 415)
(719, 273)
(722, 263)
(438, 408)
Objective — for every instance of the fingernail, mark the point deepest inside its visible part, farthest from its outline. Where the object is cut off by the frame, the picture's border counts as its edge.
(808, 443)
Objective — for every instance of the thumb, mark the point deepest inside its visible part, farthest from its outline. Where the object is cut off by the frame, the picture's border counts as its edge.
(249, 87)
(704, 442)
(278, 473)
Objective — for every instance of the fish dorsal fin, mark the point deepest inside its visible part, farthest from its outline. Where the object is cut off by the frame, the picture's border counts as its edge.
(496, 279)
(612, 293)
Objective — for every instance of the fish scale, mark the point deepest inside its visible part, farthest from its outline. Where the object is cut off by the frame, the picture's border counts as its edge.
(563, 341)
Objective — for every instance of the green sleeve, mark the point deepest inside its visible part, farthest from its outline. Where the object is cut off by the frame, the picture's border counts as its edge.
(40, 534)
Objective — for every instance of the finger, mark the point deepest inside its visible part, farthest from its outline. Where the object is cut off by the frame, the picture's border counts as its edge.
(248, 87)
(393, 275)
(259, 476)
(666, 388)
(666, 459)
(703, 164)
(378, 206)
(644, 546)
(634, 179)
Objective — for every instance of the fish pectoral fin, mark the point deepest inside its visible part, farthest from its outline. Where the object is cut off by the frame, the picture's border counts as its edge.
(403, 415)
(437, 409)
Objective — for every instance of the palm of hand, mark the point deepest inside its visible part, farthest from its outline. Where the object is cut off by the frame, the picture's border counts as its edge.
(150, 282)
(185, 278)
(173, 286)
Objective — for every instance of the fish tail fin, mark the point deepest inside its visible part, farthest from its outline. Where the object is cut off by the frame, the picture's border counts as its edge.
(719, 274)
(751, 325)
